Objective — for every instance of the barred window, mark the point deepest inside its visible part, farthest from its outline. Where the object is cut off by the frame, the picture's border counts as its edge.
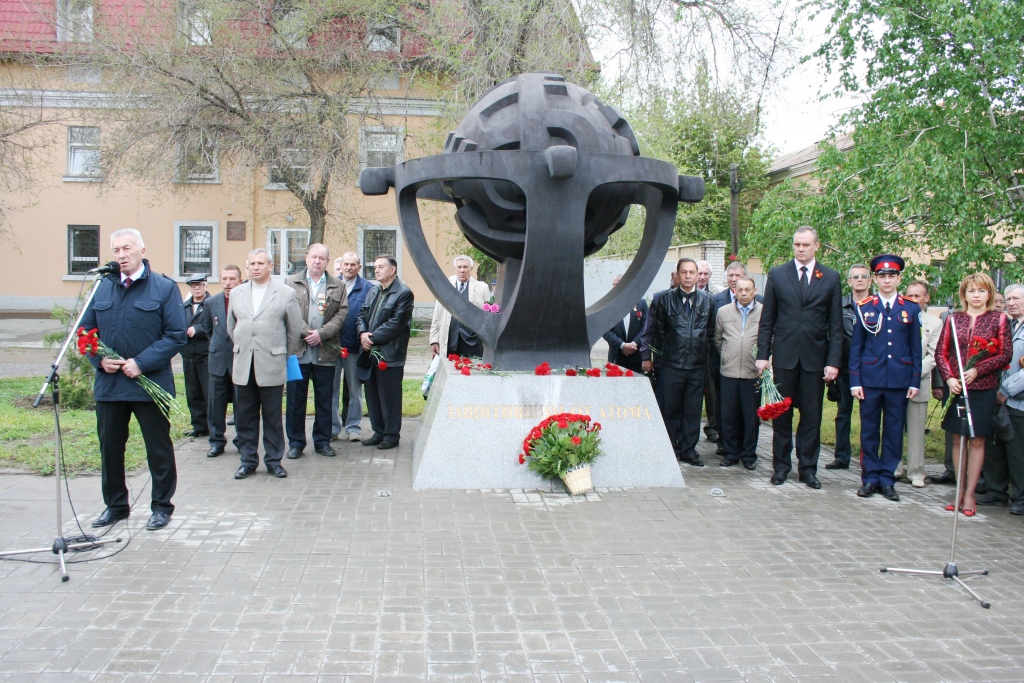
(377, 241)
(83, 248)
(195, 250)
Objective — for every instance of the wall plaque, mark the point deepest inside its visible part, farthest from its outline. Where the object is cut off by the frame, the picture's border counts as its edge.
(236, 231)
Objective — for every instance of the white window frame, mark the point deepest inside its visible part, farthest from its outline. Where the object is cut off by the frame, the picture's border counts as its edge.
(368, 133)
(195, 24)
(71, 250)
(214, 226)
(376, 41)
(291, 30)
(74, 147)
(359, 247)
(272, 185)
(279, 257)
(74, 21)
(200, 178)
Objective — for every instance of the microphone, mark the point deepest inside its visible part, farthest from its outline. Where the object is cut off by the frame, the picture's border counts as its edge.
(111, 267)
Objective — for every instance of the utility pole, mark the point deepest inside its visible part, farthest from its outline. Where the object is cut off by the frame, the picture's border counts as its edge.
(735, 187)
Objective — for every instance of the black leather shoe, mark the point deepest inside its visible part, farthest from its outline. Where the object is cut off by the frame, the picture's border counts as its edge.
(1017, 508)
(837, 465)
(293, 453)
(277, 471)
(889, 493)
(750, 465)
(981, 489)
(989, 499)
(196, 432)
(867, 490)
(697, 462)
(811, 481)
(385, 444)
(327, 450)
(944, 478)
(110, 516)
(727, 462)
(778, 479)
(214, 451)
(243, 472)
(711, 435)
(373, 440)
(231, 421)
(158, 521)
(719, 451)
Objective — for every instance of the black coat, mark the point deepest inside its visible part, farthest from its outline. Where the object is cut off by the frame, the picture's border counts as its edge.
(222, 349)
(198, 345)
(390, 323)
(802, 325)
(683, 340)
(619, 335)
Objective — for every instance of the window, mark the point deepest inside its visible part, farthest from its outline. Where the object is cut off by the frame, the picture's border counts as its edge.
(198, 159)
(287, 249)
(83, 73)
(381, 146)
(289, 25)
(378, 240)
(382, 36)
(194, 23)
(295, 168)
(74, 21)
(83, 248)
(195, 250)
(83, 153)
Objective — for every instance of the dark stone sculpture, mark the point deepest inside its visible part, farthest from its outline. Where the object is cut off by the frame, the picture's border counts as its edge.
(541, 173)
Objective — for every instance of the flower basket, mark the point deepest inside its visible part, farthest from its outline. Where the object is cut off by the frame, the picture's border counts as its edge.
(577, 480)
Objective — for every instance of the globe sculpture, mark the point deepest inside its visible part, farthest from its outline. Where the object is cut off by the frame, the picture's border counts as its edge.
(541, 173)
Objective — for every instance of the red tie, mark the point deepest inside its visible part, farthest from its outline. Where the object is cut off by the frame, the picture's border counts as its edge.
(127, 282)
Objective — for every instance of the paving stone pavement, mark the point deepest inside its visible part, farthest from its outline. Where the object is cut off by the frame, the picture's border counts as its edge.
(342, 573)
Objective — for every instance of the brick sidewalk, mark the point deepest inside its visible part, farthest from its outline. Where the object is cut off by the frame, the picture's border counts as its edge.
(316, 578)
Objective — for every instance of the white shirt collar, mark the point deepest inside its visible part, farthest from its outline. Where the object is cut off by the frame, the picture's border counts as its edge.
(891, 302)
(136, 275)
(320, 280)
(810, 266)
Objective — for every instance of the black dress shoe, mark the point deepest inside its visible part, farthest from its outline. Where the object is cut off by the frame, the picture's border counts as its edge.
(293, 453)
(889, 492)
(719, 451)
(750, 465)
(711, 435)
(989, 499)
(243, 472)
(981, 489)
(214, 451)
(158, 521)
(196, 432)
(327, 450)
(727, 462)
(837, 465)
(385, 444)
(697, 462)
(277, 471)
(944, 478)
(778, 479)
(1017, 508)
(867, 490)
(110, 516)
(231, 421)
(373, 440)
(811, 481)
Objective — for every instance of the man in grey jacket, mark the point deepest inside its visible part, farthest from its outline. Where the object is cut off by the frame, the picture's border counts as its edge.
(736, 327)
(1004, 471)
(265, 323)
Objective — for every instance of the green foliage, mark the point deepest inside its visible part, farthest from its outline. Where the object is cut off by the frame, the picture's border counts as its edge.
(550, 449)
(76, 381)
(935, 172)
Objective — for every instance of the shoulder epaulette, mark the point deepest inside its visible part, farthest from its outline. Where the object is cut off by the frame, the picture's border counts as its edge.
(867, 300)
(899, 299)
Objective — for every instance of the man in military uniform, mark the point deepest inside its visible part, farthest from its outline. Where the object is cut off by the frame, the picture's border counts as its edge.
(195, 355)
(885, 373)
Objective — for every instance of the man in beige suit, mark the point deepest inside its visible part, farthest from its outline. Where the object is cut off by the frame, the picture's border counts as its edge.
(736, 328)
(455, 337)
(917, 408)
(266, 325)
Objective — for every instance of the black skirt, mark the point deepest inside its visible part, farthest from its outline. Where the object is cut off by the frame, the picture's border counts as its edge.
(983, 411)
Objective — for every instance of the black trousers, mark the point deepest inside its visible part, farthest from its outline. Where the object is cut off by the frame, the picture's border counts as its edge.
(844, 413)
(711, 402)
(807, 389)
(252, 400)
(384, 401)
(112, 418)
(197, 382)
(1004, 463)
(222, 392)
(323, 389)
(683, 391)
(739, 425)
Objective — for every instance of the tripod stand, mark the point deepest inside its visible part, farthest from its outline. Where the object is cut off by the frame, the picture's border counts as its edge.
(61, 545)
(950, 571)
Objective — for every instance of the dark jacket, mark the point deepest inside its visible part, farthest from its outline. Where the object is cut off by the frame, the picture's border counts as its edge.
(222, 349)
(335, 309)
(802, 325)
(356, 299)
(389, 322)
(683, 340)
(145, 322)
(197, 346)
(849, 320)
(619, 335)
(647, 335)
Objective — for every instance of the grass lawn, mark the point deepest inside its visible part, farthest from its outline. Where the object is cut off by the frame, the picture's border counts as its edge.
(26, 433)
(934, 440)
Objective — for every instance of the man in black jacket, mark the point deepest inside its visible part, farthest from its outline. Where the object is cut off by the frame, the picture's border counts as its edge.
(624, 338)
(801, 331)
(384, 329)
(222, 355)
(683, 327)
(194, 356)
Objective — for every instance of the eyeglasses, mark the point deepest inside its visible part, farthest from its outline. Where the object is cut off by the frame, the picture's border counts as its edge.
(860, 277)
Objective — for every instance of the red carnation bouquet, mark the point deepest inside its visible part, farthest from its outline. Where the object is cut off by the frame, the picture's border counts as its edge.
(773, 404)
(980, 348)
(89, 344)
(561, 444)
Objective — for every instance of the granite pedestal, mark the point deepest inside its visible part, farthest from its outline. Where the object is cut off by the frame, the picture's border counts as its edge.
(473, 429)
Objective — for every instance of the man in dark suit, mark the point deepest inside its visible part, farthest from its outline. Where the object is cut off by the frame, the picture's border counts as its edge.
(801, 331)
(194, 356)
(624, 338)
(384, 329)
(222, 354)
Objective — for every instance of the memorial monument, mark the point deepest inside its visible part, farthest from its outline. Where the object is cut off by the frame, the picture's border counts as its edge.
(541, 173)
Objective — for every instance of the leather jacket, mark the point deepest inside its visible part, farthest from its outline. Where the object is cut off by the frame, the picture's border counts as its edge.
(849, 320)
(683, 340)
(390, 322)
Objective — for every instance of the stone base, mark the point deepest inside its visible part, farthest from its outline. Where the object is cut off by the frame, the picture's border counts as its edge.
(473, 428)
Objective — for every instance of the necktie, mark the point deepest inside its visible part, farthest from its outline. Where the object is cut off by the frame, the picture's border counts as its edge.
(888, 309)
(804, 279)
(127, 282)
(462, 287)
(686, 304)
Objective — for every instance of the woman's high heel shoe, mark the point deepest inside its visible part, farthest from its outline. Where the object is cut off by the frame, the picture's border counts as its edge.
(950, 507)
(968, 512)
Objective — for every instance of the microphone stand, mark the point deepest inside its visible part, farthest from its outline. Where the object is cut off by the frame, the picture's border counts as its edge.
(61, 545)
(950, 571)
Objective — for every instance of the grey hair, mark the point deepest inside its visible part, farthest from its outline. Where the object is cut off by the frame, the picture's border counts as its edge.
(1009, 288)
(737, 265)
(128, 231)
(858, 266)
(702, 262)
(807, 228)
(353, 255)
(260, 250)
(463, 257)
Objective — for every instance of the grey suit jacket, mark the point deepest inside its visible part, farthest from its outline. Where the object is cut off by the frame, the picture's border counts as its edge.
(265, 338)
